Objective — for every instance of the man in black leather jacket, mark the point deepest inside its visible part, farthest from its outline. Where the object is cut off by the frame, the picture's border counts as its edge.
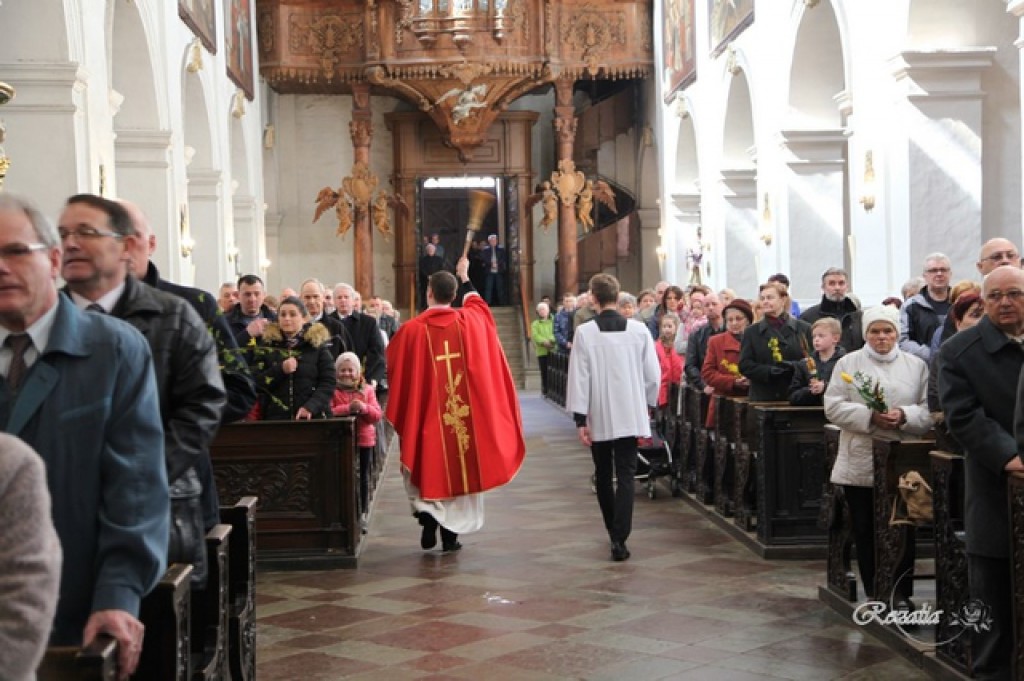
(96, 234)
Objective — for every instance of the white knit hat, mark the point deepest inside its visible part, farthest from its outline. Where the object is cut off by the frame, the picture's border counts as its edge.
(880, 313)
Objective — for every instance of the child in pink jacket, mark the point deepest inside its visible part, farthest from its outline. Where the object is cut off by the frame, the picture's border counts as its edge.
(354, 397)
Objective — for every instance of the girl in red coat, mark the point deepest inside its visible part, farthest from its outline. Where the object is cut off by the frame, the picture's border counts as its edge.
(671, 362)
(721, 363)
(355, 397)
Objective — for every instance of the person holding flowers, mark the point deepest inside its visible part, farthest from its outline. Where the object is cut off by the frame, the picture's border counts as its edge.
(721, 369)
(772, 347)
(293, 365)
(811, 377)
(881, 392)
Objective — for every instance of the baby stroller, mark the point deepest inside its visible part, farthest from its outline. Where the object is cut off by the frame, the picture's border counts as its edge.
(654, 460)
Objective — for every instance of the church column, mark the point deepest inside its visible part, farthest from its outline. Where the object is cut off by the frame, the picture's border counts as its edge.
(565, 136)
(205, 214)
(810, 214)
(246, 237)
(936, 164)
(361, 131)
(143, 163)
(405, 248)
(47, 119)
(523, 185)
(1016, 8)
(744, 251)
(685, 261)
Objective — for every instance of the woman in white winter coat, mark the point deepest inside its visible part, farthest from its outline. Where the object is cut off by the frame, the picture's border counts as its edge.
(900, 412)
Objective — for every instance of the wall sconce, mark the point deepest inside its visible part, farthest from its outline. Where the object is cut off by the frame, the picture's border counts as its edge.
(264, 263)
(233, 254)
(767, 229)
(195, 57)
(6, 95)
(238, 104)
(867, 199)
(185, 232)
(661, 253)
(187, 244)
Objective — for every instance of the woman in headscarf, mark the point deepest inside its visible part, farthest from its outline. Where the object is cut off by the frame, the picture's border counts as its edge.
(902, 413)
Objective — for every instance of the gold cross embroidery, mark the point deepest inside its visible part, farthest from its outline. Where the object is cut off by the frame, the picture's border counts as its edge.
(452, 417)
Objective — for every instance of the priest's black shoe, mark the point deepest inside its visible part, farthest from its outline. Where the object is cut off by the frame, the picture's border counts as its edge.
(449, 541)
(619, 551)
(428, 538)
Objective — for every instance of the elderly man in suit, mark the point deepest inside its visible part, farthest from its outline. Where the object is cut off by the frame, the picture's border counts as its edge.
(978, 390)
(80, 388)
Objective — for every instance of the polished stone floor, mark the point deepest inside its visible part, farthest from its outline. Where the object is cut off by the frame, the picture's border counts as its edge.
(534, 596)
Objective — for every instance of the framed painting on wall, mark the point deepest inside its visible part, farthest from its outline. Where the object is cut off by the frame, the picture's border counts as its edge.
(200, 17)
(680, 45)
(728, 19)
(238, 43)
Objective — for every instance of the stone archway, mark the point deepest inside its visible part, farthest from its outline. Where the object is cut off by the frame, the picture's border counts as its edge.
(142, 142)
(686, 244)
(742, 249)
(811, 211)
(202, 239)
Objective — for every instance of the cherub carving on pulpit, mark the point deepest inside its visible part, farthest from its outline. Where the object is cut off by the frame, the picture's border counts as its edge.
(467, 101)
(549, 202)
(599, 190)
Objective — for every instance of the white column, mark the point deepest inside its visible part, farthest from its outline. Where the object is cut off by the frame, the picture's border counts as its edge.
(142, 159)
(940, 123)
(651, 231)
(47, 140)
(683, 238)
(1016, 8)
(810, 225)
(246, 238)
(209, 257)
(746, 257)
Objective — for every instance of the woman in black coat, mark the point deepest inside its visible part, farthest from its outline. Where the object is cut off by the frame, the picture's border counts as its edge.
(294, 367)
(772, 347)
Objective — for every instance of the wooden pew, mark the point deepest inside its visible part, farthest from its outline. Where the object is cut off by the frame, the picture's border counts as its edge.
(305, 476)
(951, 586)
(745, 439)
(704, 456)
(687, 449)
(721, 439)
(893, 458)
(167, 614)
(95, 662)
(1015, 487)
(840, 578)
(242, 588)
(210, 611)
(789, 474)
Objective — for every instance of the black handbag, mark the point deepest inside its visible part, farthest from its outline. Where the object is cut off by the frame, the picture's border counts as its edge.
(187, 541)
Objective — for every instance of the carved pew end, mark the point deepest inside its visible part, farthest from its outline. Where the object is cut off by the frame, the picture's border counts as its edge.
(95, 662)
(166, 612)
(242, 588)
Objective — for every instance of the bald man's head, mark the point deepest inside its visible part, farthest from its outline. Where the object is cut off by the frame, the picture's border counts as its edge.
(996, 252)
(138, 250)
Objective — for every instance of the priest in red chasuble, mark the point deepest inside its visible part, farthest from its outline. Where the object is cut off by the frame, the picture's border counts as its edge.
(454, 406)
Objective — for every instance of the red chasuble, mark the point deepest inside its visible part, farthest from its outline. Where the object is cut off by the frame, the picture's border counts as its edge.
(453, 403)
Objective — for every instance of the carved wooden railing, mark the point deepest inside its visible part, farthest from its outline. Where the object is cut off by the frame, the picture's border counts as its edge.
(745, 480)
(836, 516)
(951, 586)
(789, 474)
(305, 474)
(723, 429)
(893, 458)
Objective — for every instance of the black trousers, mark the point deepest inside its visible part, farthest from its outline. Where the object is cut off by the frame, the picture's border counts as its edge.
(615, 459)
(989, 581)
(365, 463)
(861, 501)
(542, 363)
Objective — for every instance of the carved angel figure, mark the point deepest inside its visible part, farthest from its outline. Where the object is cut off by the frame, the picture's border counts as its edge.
(329, 198)
(468, 100)
(548, 200)
(599, 190)
(379, 211)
